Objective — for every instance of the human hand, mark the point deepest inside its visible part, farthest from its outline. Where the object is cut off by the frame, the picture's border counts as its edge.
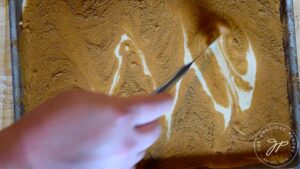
(83, 130)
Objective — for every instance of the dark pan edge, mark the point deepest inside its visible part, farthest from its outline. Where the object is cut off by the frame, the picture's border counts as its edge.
(290, 47)
(15, 11)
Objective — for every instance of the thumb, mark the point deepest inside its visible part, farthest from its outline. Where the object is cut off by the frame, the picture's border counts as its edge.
(146, 109)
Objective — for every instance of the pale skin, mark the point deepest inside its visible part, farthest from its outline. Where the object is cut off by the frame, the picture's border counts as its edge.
(83, 130)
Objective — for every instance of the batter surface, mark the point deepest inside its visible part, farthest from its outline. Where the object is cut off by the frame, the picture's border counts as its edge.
(126, 48)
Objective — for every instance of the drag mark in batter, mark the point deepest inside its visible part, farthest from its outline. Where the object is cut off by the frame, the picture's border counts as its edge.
(234, 92)
(116, 78)
(168, 115)
(243, 97)
(225, 111)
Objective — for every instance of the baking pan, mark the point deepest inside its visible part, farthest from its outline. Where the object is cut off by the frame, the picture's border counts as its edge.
(290, 49)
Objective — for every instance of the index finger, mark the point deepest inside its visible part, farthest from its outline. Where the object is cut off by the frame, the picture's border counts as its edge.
(146, 109)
